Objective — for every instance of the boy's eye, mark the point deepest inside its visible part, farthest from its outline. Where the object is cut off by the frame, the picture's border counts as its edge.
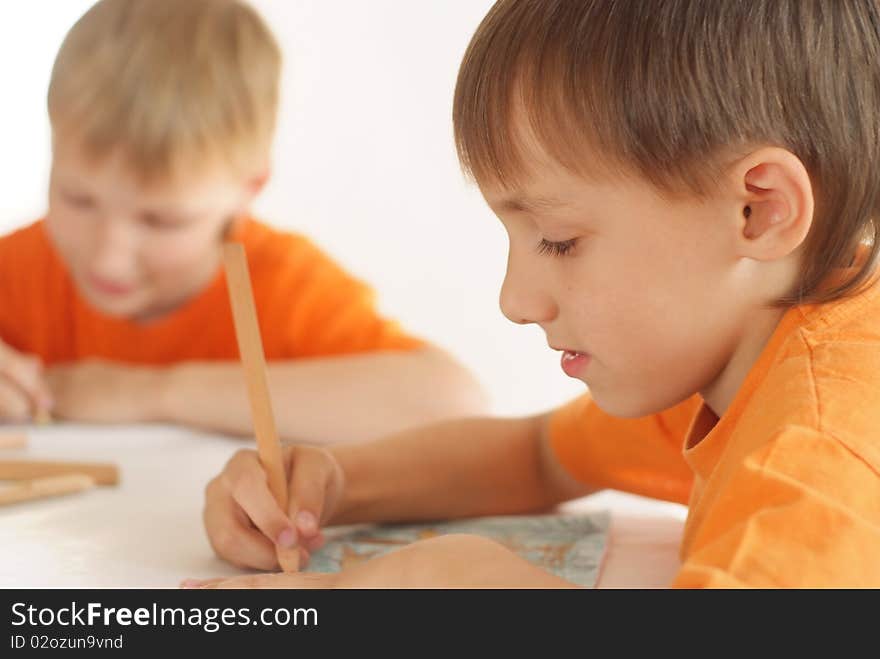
(155, 221)
(556, 249)
(79, 201)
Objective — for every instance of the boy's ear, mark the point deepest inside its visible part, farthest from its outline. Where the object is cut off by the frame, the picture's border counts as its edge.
(256, 183)
(776, 205)
(252, 187)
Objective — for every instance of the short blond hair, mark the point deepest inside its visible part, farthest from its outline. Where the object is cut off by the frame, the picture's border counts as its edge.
(171, 84)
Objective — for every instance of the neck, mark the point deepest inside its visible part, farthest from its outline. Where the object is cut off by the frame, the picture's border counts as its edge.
(719, 394)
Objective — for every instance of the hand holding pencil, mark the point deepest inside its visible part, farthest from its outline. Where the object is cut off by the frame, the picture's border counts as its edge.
(243, 520)
(268, 467)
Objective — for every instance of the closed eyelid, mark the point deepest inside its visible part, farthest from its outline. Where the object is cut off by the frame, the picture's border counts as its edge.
(78, 198)
(560, 248)
(163, 221)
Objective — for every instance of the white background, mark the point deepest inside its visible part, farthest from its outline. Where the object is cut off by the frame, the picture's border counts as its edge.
(364, 164)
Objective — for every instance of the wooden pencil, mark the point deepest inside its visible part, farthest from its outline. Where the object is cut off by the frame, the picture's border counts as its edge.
(250, 347)
(42, 488)
(17, 470)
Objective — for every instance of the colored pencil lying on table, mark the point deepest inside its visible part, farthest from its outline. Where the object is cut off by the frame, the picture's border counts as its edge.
(19, 470)
(13, 440)
(41, 488)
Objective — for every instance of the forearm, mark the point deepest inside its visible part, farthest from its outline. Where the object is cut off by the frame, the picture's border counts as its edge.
(326, 400)
(458, 468)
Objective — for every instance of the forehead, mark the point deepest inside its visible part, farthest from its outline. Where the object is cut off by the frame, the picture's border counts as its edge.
(113, 176)
(534, 177)
(556, 193)
(544, 188)
(542, 184)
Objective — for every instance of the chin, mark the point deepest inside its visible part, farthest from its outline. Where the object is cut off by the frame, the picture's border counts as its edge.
(115, 308)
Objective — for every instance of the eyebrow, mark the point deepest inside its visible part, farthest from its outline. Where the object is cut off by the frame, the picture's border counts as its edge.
(67, 183)
(522, 203)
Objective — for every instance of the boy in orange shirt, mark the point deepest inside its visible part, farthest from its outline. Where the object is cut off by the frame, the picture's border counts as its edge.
(114, 308)
(691, 195)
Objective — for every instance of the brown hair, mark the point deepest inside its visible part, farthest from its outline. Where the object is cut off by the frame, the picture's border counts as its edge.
(667, 88)
(174, 84)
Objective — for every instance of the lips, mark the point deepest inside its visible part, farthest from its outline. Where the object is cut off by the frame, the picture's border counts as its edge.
(109, 287)
(573, 363)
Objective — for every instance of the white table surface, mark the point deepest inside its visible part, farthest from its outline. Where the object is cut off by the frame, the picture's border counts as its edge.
(147, 531)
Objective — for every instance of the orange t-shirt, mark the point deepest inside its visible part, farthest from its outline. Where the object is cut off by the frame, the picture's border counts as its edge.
(784, 490)
(306, 304)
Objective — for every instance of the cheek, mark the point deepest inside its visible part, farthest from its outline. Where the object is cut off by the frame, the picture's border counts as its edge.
(179, 254)
(614, 288)
(71, 232)
(661, 347)
(664, 281)
(641, 291)
(638, 306)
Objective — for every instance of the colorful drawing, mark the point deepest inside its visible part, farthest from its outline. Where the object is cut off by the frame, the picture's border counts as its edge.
(570, 546)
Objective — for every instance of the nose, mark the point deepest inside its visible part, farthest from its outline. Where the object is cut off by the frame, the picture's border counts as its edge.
(525, 298)
(113, 255)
